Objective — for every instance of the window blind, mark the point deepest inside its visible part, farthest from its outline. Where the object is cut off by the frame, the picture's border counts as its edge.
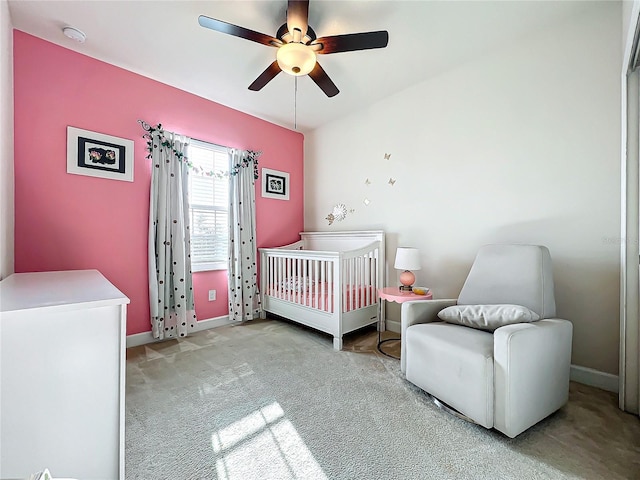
(208, 206)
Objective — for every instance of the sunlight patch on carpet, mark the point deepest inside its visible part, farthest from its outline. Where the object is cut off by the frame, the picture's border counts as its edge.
(265, 442)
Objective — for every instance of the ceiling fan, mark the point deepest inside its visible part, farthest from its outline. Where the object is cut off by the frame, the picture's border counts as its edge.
(298, 45)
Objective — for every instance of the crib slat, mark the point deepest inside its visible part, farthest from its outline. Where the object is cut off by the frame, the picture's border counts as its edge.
(367, 276)
(329, 287)
(269, 287)
(359, 282)
(289, 280)
(323, 266)
(344, 265)
(266, 278)
(292, 279)
(343, 288)
(285, 290)
(355, 297)
(362, 284)
(371, 279)
(352, 290)
(303, 294)
(307, 292)
(375, 275)
(298, 281)
(274, 284)
(274, 273)
(352, 281)
(270, 263)
(281, 277)
(310, 278)
(315, 274)
(347, 285)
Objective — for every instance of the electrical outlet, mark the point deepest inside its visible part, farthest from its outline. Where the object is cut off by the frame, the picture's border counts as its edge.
(212, 295)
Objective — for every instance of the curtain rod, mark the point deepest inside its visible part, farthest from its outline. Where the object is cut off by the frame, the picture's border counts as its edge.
(147, 128)
(206, 141)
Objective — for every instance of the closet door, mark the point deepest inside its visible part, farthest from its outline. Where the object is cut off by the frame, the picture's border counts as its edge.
(629, 365)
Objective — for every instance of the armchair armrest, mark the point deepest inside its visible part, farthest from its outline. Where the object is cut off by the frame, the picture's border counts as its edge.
(531, 372)
(419, 311)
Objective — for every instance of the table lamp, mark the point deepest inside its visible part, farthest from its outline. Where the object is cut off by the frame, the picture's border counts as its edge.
(407, 259)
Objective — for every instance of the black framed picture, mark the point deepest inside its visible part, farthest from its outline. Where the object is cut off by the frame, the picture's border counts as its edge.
(98, 155)
(275, 184)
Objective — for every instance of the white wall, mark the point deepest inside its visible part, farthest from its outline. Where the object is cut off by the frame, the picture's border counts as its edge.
(522, 145)
(6, 141)
(628, 22)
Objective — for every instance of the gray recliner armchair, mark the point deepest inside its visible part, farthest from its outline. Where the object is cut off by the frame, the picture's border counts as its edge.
(510, 378)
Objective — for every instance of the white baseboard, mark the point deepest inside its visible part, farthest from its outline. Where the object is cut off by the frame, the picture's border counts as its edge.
(584, 375)
(393, 326)
(147, 337)
(594, 378)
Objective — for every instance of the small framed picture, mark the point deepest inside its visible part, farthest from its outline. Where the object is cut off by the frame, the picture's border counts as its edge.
(98, 155)
(275, 184)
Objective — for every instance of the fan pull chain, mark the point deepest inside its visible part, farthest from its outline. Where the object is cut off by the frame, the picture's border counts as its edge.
(295, 104)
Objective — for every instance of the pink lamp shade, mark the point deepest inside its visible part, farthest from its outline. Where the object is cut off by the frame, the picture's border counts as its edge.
(407, 258)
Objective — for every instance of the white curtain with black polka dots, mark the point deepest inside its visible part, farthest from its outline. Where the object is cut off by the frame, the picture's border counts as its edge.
(170, 283)
(244, 297)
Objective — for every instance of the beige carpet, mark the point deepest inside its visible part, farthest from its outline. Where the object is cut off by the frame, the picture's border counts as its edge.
(272, 400)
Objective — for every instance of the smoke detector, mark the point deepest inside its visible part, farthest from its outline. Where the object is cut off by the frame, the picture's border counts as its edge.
(74, 34)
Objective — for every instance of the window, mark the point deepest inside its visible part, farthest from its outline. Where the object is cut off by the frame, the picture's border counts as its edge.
(208, 207)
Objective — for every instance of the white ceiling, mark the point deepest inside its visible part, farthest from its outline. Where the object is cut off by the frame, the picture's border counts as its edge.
(162, 40)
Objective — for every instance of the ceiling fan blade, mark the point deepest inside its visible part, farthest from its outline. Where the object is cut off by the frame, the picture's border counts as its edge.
(321, 78)
(298, 17)
(352, 41)
(236, 31)
(265, 77)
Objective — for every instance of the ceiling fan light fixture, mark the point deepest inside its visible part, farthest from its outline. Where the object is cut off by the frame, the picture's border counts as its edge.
(298, 44)
(296, 59)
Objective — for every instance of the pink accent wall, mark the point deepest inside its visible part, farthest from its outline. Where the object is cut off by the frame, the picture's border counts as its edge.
(68, 222)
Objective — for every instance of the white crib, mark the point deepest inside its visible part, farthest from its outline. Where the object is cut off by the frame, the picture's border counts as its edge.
(328, 280)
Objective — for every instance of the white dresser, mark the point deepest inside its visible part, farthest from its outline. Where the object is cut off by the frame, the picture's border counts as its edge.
(62, 375)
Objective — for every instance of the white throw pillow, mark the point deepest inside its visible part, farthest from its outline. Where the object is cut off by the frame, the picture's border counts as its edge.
(487, 317)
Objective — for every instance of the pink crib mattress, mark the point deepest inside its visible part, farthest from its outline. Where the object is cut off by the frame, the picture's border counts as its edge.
(356, 296)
